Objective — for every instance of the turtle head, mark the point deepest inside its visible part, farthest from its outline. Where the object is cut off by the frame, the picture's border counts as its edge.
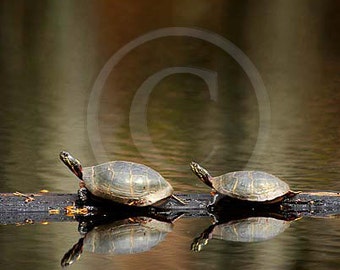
(72, 163)
(201, 173)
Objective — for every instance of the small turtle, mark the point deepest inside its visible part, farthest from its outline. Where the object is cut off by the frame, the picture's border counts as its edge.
(127, 236)
(252, 229)
(120, 181)
(252, 186)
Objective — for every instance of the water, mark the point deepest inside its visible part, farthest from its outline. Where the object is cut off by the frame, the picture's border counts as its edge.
(61, 88)
(302, 245)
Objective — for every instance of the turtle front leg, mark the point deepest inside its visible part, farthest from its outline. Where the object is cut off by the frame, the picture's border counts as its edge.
(83, 193)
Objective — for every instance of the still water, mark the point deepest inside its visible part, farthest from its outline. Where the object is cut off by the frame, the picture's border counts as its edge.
(230, 84)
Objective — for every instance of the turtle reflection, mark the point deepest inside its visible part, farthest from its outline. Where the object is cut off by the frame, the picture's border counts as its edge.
(127, 236)
(251, 229)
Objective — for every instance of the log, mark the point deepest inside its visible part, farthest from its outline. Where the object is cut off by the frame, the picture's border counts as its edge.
(53, 202)
(19, 208)
(314, 204)
(47, 207)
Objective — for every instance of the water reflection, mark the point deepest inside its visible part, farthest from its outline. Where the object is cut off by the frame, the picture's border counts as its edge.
(252, 229)
(121, 236)
(117, 235)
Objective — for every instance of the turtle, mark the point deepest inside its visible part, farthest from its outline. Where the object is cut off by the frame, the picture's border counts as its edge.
(252, 186)
(251, 229)
(127, 236)
(122, 182)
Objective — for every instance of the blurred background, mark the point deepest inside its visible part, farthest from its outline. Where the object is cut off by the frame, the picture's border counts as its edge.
(66, 84)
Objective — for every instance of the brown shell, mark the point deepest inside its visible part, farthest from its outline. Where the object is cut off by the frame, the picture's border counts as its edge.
(250, 185)
(126, 182)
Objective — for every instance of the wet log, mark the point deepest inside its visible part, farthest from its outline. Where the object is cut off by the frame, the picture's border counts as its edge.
(35, 202)
(53, 202)
(18, 207)
(314, 204)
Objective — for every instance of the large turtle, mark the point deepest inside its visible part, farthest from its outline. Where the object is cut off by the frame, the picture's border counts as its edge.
(253, 186)
(120, 181)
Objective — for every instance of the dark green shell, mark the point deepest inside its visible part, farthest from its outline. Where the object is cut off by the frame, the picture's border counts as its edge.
(126, 182)
(250, 185)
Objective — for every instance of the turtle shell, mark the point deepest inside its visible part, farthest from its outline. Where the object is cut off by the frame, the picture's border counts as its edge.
(254, 186)
(126, 182)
